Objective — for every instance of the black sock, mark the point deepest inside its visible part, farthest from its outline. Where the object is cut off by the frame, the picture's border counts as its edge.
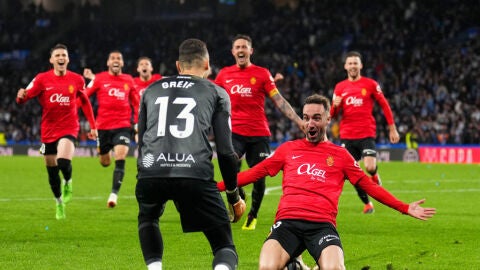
(118, 174)
(363, 195)
(54, 180)
(151, 241)
(257, 197)
(65, 166)
(226, 256)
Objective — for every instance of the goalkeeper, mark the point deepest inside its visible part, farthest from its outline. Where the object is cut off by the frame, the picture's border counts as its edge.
(174, 159)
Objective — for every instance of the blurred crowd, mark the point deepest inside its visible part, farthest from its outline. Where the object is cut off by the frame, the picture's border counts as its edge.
(425, 54)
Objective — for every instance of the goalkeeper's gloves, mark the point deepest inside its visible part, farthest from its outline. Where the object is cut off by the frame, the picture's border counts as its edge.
(236, 205)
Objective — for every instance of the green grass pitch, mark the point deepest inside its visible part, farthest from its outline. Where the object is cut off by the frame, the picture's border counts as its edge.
(94, 237)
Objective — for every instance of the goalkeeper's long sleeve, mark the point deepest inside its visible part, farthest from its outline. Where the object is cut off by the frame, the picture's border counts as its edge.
(248, 176)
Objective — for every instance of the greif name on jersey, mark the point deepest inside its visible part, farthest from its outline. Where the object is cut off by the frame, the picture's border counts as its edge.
(177, 84)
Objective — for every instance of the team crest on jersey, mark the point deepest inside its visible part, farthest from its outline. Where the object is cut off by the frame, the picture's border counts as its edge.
(364, 92)
(126, 87)
(71, 89)
(253, 80)
(330, 161)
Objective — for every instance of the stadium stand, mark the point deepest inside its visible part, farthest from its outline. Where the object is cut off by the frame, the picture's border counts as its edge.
(426, 54)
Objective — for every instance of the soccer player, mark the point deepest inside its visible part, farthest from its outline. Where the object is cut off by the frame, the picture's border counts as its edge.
(174, 159)
(145, 75)
(354, 98)
(247, 85)
(57, 91)
(314, 172)
(116, 97)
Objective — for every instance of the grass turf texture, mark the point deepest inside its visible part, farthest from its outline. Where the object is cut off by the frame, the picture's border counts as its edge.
(94, 237)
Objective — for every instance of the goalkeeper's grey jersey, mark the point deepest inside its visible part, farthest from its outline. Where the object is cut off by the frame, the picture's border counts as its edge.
(176, 117)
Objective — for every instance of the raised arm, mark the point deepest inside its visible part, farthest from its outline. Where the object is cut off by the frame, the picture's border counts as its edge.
(282, 104)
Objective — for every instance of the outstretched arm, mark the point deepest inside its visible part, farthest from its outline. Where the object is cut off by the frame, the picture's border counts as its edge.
(416, 211)
(382, 195)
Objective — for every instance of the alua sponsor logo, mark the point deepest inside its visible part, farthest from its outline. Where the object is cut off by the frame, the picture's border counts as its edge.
(312, 171)
(176, 157)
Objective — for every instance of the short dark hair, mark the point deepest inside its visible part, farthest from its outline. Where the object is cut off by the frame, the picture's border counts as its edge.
(353, 54)
(318, 99)
(115, 51)
(144, 58)
(58, 46)
(242, 36)
(192, 52)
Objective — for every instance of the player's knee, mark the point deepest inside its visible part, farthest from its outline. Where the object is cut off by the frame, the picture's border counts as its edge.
(225, 258)
(105, 160)
(332, 265)
(268, 265)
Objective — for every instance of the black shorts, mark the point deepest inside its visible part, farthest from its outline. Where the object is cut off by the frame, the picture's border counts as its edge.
(361, 148)
(107, 139)
(255, 148)
(198, 201)
(297, 235)
(51, 148)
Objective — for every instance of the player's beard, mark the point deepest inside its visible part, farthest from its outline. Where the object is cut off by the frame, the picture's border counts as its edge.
(353, 74)
(319, 135)
(242, 62)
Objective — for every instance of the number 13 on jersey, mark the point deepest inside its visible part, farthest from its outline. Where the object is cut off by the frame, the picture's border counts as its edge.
(185, 114)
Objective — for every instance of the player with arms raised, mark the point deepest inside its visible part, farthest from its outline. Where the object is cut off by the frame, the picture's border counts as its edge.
(314, 173)
(116, 97)
(57, 91)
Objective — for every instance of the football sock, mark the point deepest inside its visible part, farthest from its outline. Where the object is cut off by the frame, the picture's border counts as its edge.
(363, 195)
(225, 259)
(54, 180)
(118, 174)
(257, 196)
(151, 241)
(65, 166)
